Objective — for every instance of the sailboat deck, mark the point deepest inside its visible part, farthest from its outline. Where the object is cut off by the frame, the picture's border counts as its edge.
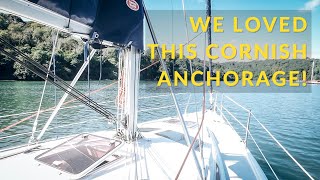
(158, 155)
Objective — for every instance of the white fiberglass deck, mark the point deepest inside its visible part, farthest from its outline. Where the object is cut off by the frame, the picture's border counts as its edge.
(158, 155)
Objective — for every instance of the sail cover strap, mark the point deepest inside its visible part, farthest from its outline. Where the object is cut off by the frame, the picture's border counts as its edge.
(118, 21)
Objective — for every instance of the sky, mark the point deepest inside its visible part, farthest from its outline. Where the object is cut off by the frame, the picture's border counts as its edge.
(312, 5)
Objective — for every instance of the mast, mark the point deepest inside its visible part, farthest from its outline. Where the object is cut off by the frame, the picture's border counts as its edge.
(208, 14)
(128, 88)
(99, 24)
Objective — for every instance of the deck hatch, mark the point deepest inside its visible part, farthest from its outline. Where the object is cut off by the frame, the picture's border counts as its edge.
(80, 155)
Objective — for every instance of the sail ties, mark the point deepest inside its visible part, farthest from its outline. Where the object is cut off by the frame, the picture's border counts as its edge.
(35, 124)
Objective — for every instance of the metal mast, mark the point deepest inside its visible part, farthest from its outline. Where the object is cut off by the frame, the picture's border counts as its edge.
(128, 89)
(209, 42)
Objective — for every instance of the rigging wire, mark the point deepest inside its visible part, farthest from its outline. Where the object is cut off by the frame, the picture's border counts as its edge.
(100, 73)
(183, 124)
(199, 129)
(89, 79)
(85, 58)
(32, 64)
(208, 12)
(203, 106)
(55, 88)
(50, 109)
(190, 62)
(74, 99)
(35, 124)
(283, 148)
(172, 36)
(41, 71)
(195, 138)
(54, 79)
(172, 11)
(194, 91)
(95, 91)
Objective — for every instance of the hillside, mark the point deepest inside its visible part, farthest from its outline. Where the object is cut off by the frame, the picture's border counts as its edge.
(36, 41)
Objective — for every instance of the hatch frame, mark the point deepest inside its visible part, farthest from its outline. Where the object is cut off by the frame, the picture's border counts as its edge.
(94, 165)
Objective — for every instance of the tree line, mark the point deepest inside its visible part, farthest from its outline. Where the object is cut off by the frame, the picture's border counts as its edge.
(36, 41)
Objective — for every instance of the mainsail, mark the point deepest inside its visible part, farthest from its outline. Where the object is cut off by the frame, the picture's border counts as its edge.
(119, 22)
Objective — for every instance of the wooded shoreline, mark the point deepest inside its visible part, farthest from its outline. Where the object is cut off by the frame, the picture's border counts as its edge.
(35, 40)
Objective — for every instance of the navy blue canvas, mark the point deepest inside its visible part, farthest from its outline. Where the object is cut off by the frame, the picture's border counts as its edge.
(119, 21)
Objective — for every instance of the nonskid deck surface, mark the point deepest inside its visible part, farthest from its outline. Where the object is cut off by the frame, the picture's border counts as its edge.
(158, 155)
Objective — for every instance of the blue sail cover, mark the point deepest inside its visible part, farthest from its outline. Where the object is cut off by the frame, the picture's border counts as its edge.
(118, 21)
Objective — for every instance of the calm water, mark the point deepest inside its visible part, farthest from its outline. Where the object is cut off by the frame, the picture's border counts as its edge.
(292, 118)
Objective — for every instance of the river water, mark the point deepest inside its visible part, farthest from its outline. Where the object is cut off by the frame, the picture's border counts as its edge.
(293, 118)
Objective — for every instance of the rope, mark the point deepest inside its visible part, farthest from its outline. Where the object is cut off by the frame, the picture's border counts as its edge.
(122, 80)
(17, 114)
(183, 124)
(66, 125)
(194, 139)
(203, 107)
(191, 71)
(25, 113)
(121, 90)
(50, 109)
(190, 62)
(145, 97)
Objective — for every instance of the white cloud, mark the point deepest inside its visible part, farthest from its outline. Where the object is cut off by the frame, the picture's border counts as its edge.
(311, 5)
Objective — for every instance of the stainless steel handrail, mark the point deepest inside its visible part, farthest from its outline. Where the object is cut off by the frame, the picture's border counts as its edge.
(283, 148)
